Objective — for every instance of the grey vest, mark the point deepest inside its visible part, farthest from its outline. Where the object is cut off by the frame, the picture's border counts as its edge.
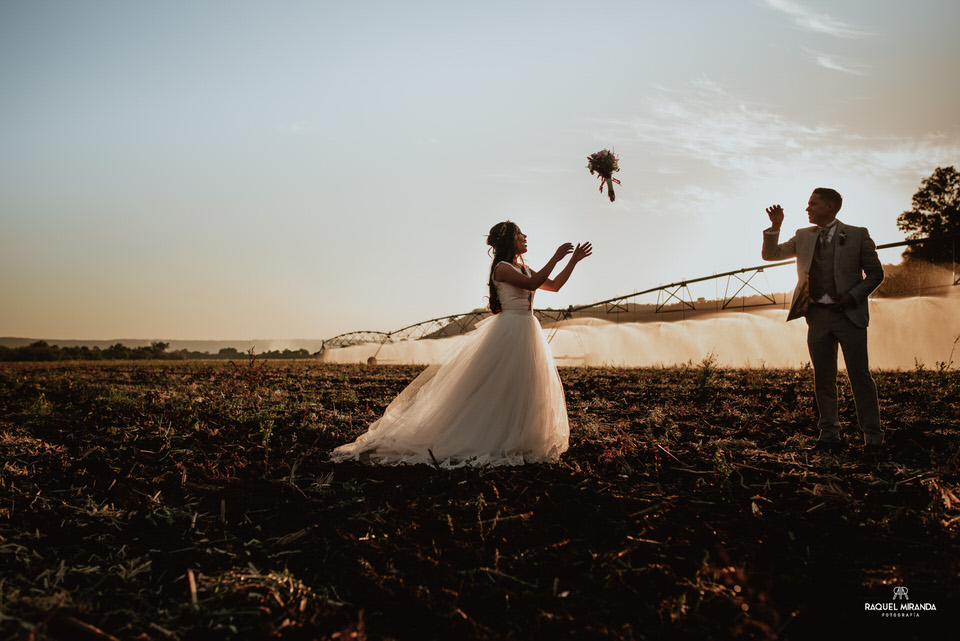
(822, 280)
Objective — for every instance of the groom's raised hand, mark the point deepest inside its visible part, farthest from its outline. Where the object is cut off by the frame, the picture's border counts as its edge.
(775, 212)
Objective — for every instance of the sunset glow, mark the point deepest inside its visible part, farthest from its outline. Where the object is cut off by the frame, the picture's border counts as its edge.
(220, 170)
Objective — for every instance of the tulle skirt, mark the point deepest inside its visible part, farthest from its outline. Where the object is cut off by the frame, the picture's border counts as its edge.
(495, 400)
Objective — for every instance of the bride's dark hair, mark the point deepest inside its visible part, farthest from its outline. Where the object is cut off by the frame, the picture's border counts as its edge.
(501, 240)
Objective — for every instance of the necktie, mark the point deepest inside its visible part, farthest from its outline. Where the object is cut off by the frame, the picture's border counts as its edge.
(824, 235)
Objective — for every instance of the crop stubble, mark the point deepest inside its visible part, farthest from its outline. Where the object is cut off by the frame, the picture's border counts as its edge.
(194, 501)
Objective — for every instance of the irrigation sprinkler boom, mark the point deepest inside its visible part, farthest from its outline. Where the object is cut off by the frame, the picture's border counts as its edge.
(677, 293)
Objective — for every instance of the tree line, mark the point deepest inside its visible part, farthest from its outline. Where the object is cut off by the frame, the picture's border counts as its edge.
(42, 351)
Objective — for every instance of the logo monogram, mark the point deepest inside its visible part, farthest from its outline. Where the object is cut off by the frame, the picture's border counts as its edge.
(901, 606)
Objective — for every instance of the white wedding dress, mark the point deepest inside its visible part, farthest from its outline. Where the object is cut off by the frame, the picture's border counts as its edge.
(495, 400)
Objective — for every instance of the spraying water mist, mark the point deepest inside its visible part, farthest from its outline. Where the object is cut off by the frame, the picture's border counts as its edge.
(903, 333)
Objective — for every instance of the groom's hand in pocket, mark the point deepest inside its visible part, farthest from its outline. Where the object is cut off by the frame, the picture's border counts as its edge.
(844, 301)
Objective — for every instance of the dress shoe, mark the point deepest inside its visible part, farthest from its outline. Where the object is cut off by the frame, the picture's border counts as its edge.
(827, 446)
(872, 450)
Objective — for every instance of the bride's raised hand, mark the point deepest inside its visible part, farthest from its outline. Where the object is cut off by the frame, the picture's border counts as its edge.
(562, 251)
(582, 251)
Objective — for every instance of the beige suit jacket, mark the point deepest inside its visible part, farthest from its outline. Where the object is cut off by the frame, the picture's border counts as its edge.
(857, 269)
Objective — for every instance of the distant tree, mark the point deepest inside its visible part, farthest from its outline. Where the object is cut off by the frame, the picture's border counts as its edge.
(117, 351)
(936, 211)
(157, 349)
(39, 351)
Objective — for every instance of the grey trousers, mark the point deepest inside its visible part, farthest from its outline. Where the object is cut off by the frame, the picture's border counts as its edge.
(825, 331)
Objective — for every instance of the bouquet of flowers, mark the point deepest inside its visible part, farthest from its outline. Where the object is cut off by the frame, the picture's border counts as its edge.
(604, 163)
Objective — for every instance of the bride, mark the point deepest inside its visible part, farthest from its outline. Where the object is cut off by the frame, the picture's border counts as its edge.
(497, 398)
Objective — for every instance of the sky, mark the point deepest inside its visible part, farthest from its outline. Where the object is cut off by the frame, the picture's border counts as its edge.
(238, 170)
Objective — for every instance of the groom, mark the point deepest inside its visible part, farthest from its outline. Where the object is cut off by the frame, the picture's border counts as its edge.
(838, 268)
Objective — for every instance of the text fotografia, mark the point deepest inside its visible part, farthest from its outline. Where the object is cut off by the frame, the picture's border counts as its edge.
(901, 606)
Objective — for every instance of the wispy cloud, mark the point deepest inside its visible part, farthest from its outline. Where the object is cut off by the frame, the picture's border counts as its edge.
(816, 22)
(705, 123)
(834, 63)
